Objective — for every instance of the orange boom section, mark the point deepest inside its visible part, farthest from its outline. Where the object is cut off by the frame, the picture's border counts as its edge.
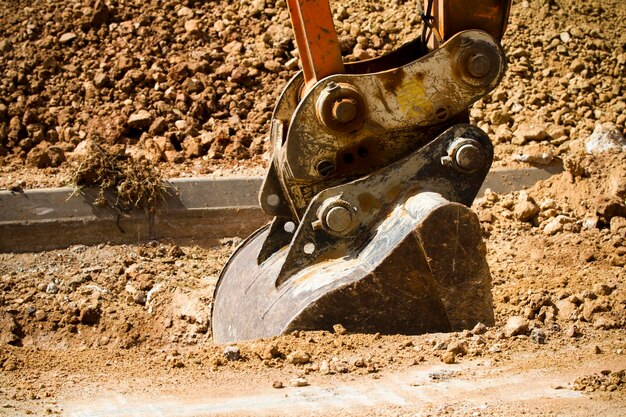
(316, 40)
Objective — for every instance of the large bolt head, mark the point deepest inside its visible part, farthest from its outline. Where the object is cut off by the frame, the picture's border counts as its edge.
(478, 65)
(341, 107)
(469, 157)
(345, 110)
(338, 219)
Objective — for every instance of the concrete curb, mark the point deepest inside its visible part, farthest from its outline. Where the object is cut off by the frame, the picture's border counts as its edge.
(196, 209)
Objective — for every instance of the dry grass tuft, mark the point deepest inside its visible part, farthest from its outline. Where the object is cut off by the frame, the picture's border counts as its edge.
(134, 183)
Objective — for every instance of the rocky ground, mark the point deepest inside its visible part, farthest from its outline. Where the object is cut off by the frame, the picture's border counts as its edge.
(557, 254)
(189, 86)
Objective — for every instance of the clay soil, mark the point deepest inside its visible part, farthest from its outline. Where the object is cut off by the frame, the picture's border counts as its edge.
(125, 330)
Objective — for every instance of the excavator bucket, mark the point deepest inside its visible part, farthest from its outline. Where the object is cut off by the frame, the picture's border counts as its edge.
(373, 170)
(420, 267)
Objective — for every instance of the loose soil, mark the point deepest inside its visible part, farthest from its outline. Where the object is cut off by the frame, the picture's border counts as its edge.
(125, 330)
(190, 86)
(125, 322)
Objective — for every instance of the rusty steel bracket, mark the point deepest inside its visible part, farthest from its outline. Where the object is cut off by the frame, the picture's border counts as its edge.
(384, 116)
(369, 199)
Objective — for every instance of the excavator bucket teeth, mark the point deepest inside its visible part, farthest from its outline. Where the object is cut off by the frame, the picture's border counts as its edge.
(409, 278)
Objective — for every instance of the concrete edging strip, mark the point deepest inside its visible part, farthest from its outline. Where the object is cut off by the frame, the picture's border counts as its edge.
(196, 209)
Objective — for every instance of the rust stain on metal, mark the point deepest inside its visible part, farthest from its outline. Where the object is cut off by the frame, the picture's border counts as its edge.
(391, 80)
(368, 202)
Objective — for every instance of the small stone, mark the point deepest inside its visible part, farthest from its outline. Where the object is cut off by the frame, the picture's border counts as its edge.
(479, 329)
(45, 156)
(181, 125)
(5, 45)
(526, 132)
(597, 350)
(577, 66)
(67, 37)
(324, 368)
(193, 85)
(552, 227)
(535, 153)
(192, 26)
(232, 353)
(617, 226)
(486, 216)
(516, 325)
(140, 298)
(272, 66)
(606, 138)
(500, 117)
(588, 255)
(193, 148)
(158, 126)
(292, 64)
(41, 315)
(360, 53)
(566, 309)
(185, 12)
(140, 120)
(538, 336)
(339, 329)
(608, 207)
(616, 260)
(565, 37)
(440, 345)
(604, 322)
(176, 363)
(448, 358)
(266, 350)
(298, 357)
(52, 288)
(277, 385)
(101, 80)
(602, 289)
(90, 315)
(525, 210)
(10, 330)
(495, 349)
(572, 331)
(298, 382)
(592, 307)
(458, 348)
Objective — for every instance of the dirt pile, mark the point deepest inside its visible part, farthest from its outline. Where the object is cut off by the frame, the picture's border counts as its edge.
(557, 254)
(570, 227)
(171, 81)
(565, 75)
(189, 85)
(605, 381)
(145, 310)
(109, 296)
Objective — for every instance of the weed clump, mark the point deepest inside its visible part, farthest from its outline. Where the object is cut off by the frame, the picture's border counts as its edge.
(134, 183)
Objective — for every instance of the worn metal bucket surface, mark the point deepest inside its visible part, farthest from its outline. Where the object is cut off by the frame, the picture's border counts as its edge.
(387, 287)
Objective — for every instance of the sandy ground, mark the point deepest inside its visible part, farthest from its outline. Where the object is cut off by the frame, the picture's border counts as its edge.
(125, 330)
